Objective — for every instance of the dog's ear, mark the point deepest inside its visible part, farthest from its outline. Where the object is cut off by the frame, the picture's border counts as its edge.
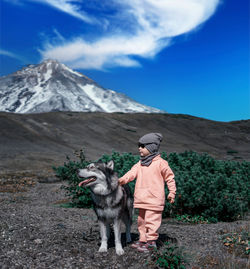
(110, 165)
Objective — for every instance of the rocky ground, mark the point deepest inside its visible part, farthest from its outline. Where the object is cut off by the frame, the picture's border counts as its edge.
(37, 232)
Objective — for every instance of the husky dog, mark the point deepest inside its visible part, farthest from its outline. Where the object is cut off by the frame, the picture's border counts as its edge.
(112, 203)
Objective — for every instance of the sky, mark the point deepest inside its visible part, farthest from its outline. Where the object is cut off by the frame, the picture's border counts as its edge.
(181, 56)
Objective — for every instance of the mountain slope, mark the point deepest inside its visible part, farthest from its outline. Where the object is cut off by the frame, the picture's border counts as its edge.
(52, 86)
(39, 141)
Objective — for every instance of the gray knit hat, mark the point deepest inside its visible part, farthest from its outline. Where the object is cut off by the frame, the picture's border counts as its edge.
(151, 141)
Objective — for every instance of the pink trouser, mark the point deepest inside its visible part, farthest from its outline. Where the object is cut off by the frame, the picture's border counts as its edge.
(149, 221)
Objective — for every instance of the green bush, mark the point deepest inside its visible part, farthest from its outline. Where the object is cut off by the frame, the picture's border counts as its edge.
(123, 163)
(80, 197)
(169, 256)
(215, 190)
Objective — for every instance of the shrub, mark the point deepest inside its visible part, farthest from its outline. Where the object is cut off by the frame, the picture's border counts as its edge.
(68, 172)
(123, 163)
(169, 256)
(215, 190)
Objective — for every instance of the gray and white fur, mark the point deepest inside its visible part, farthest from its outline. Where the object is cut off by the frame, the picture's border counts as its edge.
(112, 203)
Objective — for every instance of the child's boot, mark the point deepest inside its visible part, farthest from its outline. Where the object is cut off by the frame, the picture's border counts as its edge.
(138, 244)
(151, 245)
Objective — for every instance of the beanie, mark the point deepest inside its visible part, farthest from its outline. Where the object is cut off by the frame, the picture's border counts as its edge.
(151, 141)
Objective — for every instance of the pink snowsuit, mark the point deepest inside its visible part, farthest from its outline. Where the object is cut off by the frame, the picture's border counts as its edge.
(149, 195)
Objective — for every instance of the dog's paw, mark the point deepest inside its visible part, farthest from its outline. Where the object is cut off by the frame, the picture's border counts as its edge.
(102, 249)
(119, 251)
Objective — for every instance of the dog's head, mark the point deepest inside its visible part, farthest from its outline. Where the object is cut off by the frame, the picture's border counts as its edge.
(100, 177)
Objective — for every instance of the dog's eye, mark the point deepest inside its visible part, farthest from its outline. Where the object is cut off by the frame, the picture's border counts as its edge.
(91, 166)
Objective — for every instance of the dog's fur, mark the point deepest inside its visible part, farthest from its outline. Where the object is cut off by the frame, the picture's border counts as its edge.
(112, 203)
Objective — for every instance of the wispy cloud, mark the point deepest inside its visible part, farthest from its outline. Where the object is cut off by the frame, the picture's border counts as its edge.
(71, 7)
(11, 55)
(137, 28)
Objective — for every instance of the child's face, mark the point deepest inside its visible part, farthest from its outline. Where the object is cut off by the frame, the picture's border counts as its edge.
(144, 151)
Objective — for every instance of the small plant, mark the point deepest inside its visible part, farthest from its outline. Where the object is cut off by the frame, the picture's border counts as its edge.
(192, 219)
(237, 240)
(170, 256)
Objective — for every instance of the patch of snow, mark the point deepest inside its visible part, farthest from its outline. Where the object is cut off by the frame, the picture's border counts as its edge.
(71, 71)
(94, 94)
(48, 74)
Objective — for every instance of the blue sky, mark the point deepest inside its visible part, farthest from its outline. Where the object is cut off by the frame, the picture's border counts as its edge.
(182, 56)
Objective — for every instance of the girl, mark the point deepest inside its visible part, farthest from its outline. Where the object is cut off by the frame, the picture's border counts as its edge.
(151, 173)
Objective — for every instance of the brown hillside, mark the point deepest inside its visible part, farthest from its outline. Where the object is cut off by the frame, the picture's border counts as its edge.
(36, 142)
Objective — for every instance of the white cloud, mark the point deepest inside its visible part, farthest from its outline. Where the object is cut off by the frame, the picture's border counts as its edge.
(11, 55)
(71, 7)
(152, 24)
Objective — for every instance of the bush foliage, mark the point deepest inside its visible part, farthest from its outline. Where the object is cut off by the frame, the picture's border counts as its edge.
(169, 256)
(68, 172)
(213, 189)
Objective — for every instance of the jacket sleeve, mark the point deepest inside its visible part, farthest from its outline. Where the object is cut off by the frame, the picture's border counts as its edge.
(129, 176)
(168, 176)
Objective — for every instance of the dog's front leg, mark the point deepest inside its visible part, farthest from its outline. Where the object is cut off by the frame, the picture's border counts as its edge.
(104, 238)
(117, 232)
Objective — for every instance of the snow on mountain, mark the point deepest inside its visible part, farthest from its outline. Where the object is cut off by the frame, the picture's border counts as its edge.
(52, 86)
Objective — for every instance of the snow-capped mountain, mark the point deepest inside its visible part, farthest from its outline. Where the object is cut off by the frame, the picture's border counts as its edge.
(52, 86)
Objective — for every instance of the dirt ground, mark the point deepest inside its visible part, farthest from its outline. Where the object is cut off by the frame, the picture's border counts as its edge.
(37, 232)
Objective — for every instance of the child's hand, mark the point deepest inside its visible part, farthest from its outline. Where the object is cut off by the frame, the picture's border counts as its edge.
(170, 199)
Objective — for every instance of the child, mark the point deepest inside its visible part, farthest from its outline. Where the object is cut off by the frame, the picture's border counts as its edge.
(151, 173)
